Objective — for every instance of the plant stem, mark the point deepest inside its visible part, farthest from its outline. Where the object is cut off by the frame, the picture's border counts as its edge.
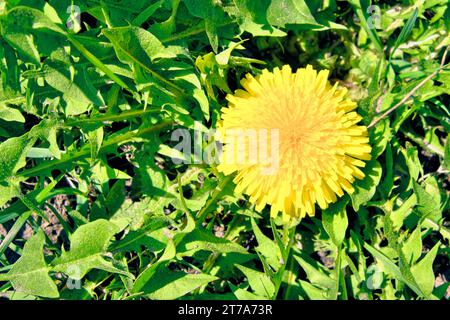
(288, 240)
(96, 62)
(201, 215)
(110, 117)
(86, 152)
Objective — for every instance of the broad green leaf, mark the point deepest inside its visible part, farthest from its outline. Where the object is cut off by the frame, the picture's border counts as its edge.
(12, 155)
(137, 45)
(423, 271)
(116, 198)
(8, 191)
(335, 221)
(412, 161)
(169, 285)
(391, 268)
(95, 142)
(412, 247)
(312, 292)
(14, 150)
(213, 16)
(253, 18)
(242, 294)
(18, 27)
(380, 136)
(428, 205)
(78, 91)
(315, 273)
(267, 247)
(199, 240)
(147, 275)
(446, 162)
(24, 19)
(30, 273)
(365, 188)
(24, 44)
(282, 12)
(102, 173)
(88, 247)
(10, 114)
(259, 282)
(139, 48)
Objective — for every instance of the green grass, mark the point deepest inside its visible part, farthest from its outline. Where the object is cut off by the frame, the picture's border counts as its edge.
(93, 207)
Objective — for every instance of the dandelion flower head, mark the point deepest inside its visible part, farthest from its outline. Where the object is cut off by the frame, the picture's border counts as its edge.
(321, 147)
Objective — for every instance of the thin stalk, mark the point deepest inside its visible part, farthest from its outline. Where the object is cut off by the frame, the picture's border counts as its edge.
(97, 62)
(201, 215)
(180, 192)
(110, 117)
(288, 239)
(291, 278)
(340, 278)
(191, 32)
(209, 263)
(14, 230)
(86, 152)
(61, 220)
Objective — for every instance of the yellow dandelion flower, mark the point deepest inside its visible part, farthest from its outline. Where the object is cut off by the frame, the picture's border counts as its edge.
(309, 126)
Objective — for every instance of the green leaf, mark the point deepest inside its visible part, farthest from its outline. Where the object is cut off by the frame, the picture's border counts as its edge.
(312, 292)
(147, 13)
(199, 239)
(10, 114)
(315, 272)
(267, 247)
(18, 27)
(423, 271)
(213, 16)
(446, 162)
(78, 91)
(259, 281)
(172, 153)
(8, 191)
(14, 150)
(88, 246)
(428, 205)
(412, 248)
(361, 7)
(95, 142)
(335, 221)
(169, 285)
(391, 268)
(253, 18)
(25, 19)
(406, 31)
(242, 294)
(282, 12)
(147, 275)
(30, 273)
(411, 155)
(137, 45)
(365, 188)
(380, 136)
(12, 155)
